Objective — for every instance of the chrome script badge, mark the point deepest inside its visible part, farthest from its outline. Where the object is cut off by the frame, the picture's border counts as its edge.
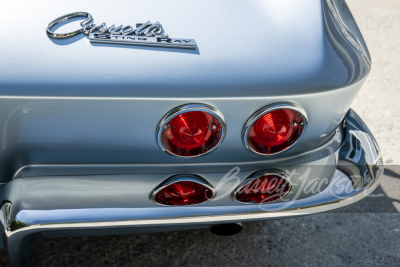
(145, 34)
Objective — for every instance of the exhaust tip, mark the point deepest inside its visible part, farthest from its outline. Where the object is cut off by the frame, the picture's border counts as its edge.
(227, 229)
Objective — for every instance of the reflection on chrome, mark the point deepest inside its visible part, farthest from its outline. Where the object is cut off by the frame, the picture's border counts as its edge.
(357, 175)
(355, 56)
(353, 40)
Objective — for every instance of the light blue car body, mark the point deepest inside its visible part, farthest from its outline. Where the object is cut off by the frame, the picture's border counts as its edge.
(78, 142)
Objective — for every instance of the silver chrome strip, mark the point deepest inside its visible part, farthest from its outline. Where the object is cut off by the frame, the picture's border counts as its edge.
(186, 108)
(320, 202)
(19, 230)
(257, 175)
(182, 178)
(143, 41)
(266, 110)
(354, 179)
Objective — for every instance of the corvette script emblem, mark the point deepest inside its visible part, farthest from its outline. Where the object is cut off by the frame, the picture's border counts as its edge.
(145, 34)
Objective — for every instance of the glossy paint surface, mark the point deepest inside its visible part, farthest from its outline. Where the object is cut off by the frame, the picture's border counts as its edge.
(244, 49)
(78, 120)
(21, 222)
(105, 131)
(67, 102)
(115, 199)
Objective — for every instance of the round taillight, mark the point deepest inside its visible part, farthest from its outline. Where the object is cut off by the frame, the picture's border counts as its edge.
(182, 191)
(191, 130)
(263, 187)
(274, 129)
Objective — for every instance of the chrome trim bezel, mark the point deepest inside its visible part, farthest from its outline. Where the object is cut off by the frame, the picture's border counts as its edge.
(266, 110)
(187, 108)
(276, 172)
(182, 178)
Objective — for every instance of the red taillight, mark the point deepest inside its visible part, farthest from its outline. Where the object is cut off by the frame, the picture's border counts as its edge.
(191, 131)
(274, 129)
(183, 192)
(265, 187)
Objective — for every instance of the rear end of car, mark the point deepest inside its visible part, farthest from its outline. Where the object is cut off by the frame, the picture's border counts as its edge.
(253, 124)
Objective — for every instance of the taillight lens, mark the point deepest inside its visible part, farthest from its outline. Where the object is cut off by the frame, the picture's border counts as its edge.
(192, 131)
(183, 192)
(264, 188)
(274, 130)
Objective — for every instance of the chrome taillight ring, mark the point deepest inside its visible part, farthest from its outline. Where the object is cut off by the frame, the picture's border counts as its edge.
(188, 108)
(265, 110)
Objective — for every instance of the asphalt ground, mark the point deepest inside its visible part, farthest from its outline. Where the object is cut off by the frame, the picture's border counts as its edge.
(363, 234)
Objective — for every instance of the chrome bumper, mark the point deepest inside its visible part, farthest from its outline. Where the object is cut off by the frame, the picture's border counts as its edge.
(358, 173)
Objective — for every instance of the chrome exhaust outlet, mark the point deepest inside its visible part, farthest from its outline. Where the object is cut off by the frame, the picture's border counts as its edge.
(226, 229)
